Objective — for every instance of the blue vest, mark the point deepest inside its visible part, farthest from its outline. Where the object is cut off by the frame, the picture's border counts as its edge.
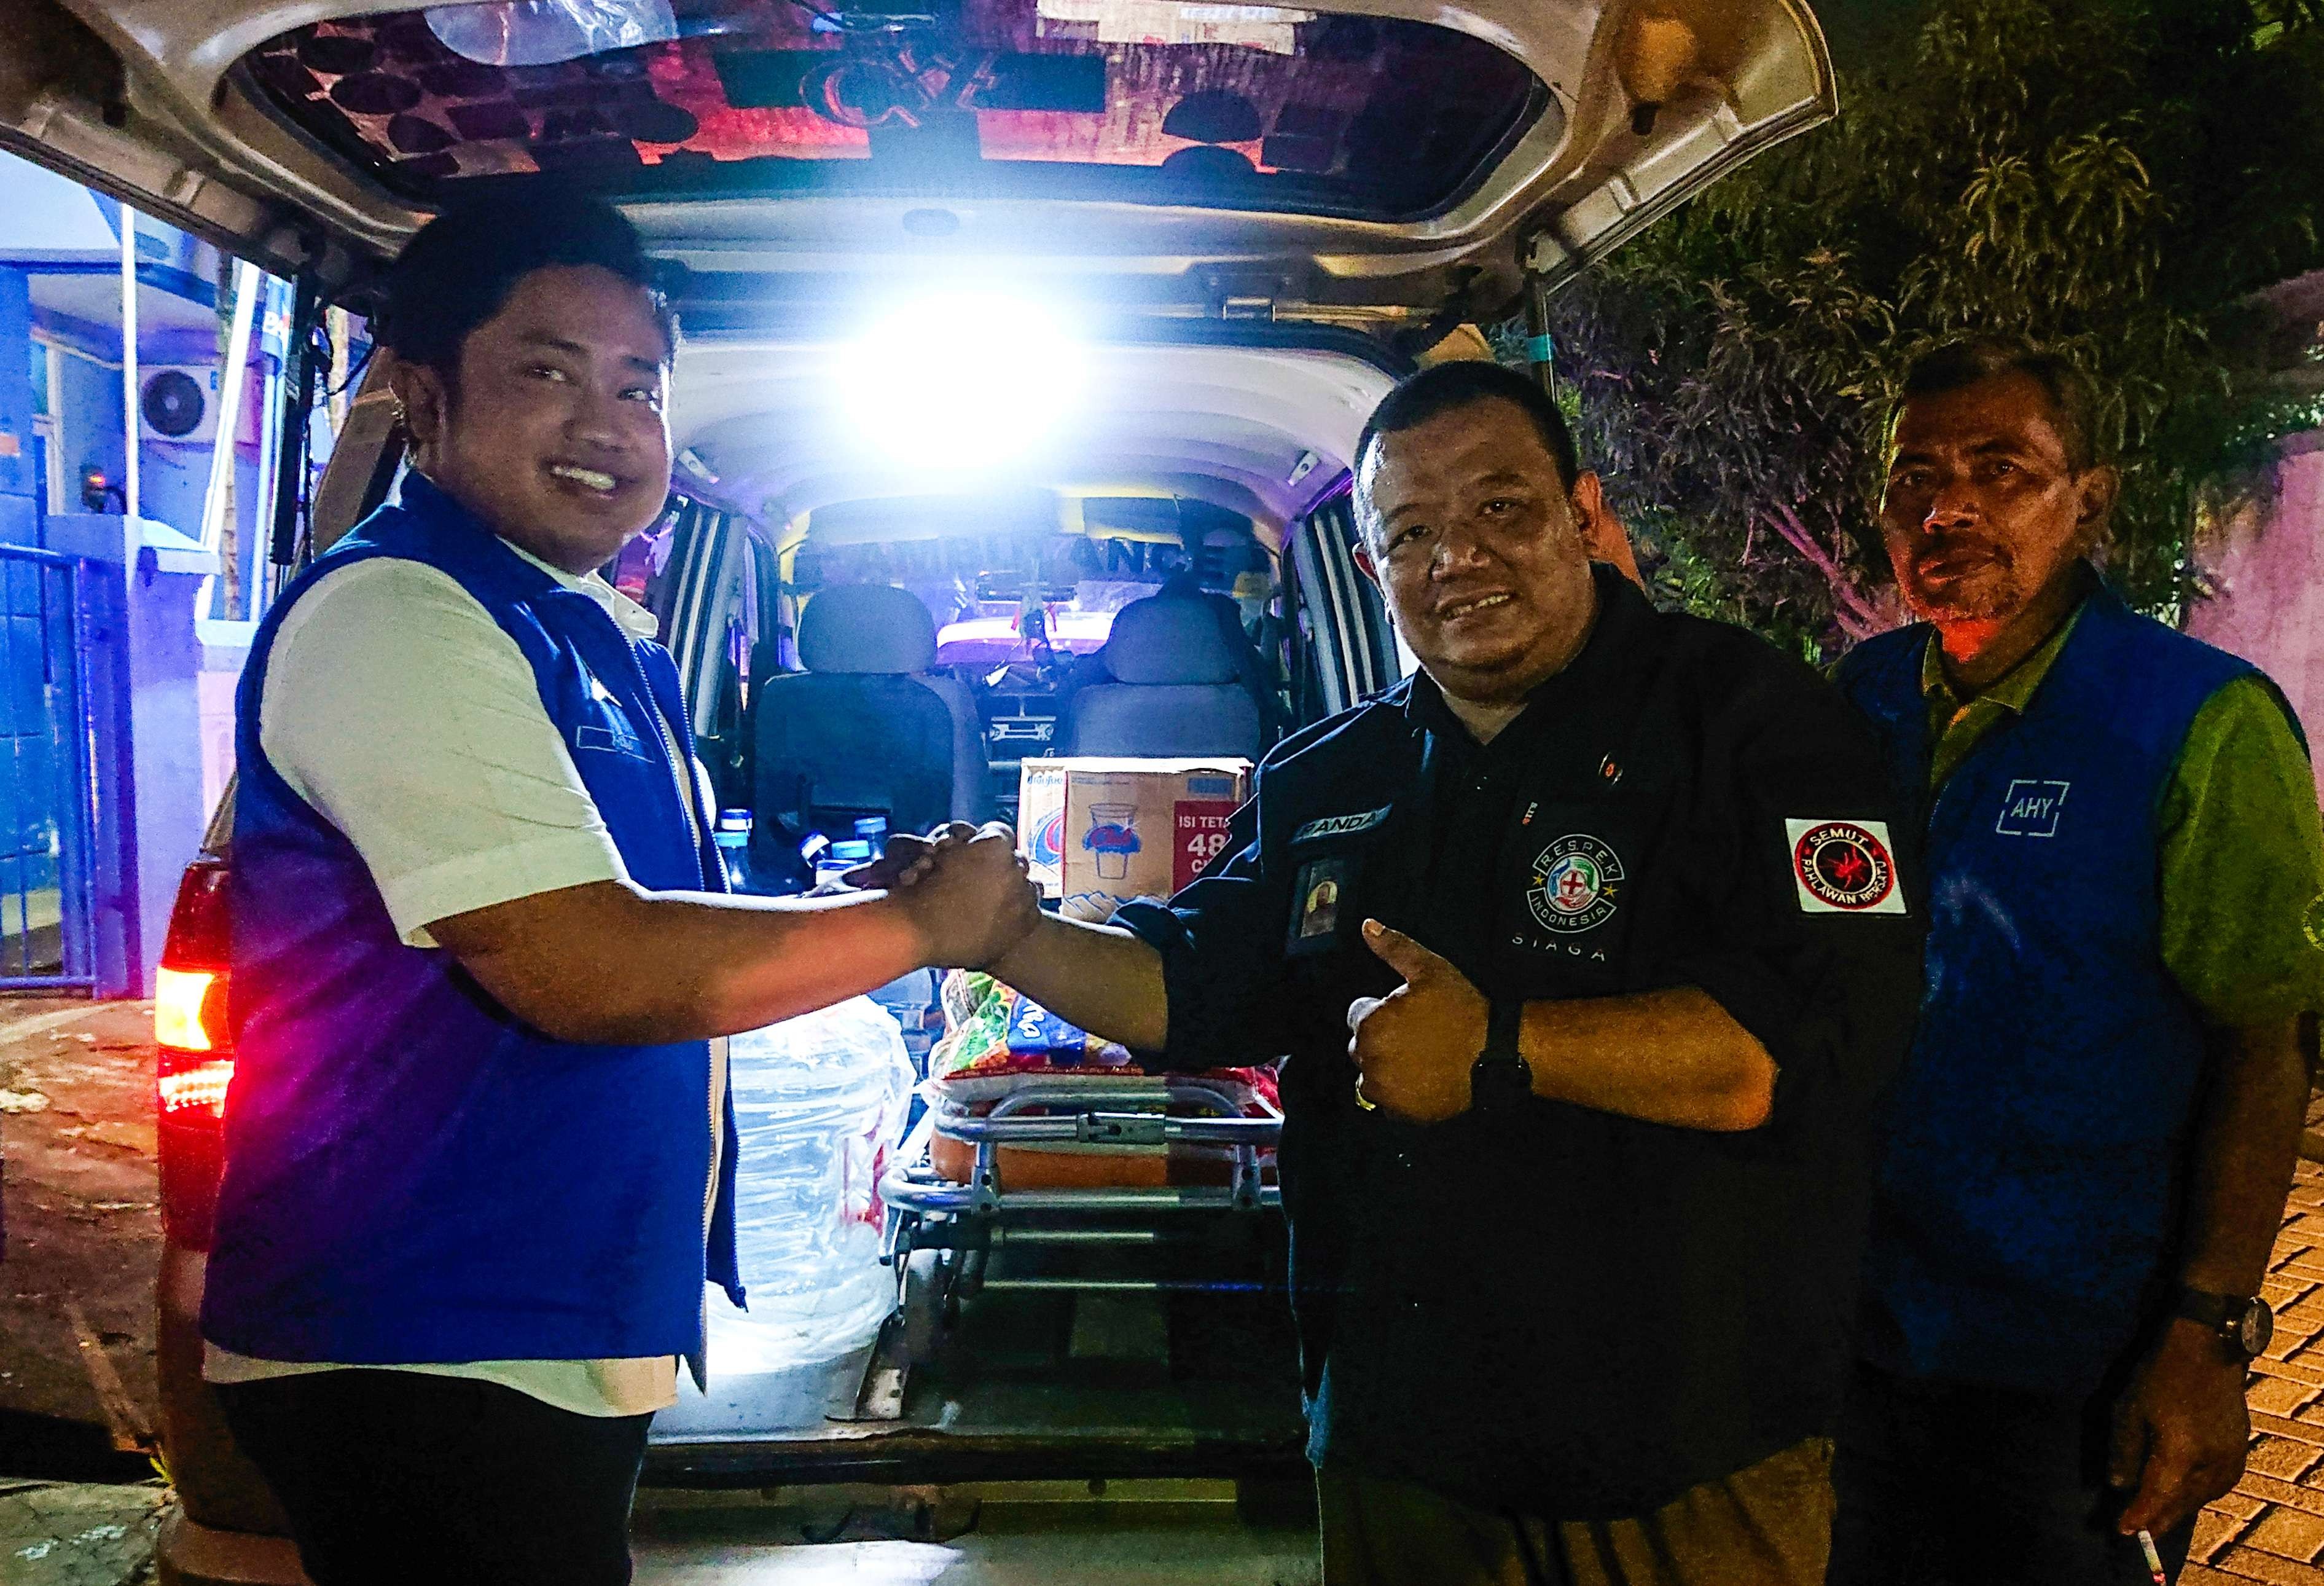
(412, 1173)
(2036, 1167)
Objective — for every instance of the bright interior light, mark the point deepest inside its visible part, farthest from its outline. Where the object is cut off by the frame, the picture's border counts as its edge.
(178, 997)
(963, 381)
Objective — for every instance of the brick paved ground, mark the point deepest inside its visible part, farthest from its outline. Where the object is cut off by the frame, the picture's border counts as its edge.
(2272, 1527)
(76, 1117)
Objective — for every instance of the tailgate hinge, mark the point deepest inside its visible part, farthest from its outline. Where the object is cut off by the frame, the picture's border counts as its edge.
(1244, 293)
(1546, 255)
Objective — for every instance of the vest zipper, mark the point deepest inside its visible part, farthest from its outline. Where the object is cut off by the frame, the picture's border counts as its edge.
(686, 795)
(680, 778)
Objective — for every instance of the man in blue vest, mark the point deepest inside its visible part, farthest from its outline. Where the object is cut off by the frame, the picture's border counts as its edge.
(479, 1155)
(2093, 1137)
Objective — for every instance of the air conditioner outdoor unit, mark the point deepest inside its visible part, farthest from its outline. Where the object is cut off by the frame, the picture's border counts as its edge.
(177, 403)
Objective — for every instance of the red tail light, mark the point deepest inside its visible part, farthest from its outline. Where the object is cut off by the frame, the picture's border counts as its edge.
(197, 1054)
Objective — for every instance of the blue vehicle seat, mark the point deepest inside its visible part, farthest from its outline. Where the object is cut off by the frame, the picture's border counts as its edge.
(1171, 685)
(866, 729)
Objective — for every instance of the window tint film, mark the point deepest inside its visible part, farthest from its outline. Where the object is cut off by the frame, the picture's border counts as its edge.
(1240, 107)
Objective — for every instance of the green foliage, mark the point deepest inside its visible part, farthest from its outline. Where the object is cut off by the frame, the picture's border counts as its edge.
(2114, 178)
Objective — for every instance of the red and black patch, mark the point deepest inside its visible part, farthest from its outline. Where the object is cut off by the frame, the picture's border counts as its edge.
(1844, 867)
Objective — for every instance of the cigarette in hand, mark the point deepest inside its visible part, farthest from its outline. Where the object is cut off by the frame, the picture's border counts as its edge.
(2154, 1559)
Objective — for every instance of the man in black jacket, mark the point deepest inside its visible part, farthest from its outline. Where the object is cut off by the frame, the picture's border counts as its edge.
(1606, 898)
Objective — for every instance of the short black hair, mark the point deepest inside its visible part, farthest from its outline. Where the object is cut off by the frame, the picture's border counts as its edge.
(1964, 362)
(1443, 387)
(458, 271)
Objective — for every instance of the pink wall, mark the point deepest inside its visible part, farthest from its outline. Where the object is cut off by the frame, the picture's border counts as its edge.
(2265, 565)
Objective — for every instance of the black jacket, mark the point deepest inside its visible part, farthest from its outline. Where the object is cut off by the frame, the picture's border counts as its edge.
(1558, 1310)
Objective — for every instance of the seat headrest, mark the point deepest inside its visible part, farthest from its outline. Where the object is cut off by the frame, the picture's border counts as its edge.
(867, 628)
(1169, 639)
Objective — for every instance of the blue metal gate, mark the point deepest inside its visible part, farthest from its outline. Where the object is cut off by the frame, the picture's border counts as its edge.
(47, 784)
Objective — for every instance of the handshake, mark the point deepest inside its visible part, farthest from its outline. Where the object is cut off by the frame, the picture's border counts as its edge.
(962, 887)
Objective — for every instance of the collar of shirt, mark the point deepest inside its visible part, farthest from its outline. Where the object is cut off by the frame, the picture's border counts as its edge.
(419, 493)
(631, 618)
(2013, 690)
(1623, 618)
(1957, 725)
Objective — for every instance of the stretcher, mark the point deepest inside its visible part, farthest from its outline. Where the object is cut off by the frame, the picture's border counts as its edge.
(1050, 1147)
(1048, 1163)
(1154, 1143)
(1106, 1189)
(1078, 1162)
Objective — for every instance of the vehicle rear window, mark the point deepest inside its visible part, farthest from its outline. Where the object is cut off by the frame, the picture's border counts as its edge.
(981, 563)
(1236, 107)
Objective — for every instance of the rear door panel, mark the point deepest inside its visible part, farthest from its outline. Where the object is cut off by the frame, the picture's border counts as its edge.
(1357, 204)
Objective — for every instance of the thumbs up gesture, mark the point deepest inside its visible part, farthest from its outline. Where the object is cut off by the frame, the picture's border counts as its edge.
(1415, 1046)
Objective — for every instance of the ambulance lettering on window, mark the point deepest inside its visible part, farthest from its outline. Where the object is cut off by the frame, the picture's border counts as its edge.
(1844, 867)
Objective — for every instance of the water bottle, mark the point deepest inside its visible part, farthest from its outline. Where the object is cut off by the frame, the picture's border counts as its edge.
(832, 865)
(733, 839)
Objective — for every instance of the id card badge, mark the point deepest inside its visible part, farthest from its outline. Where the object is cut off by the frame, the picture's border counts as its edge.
(1316, 902)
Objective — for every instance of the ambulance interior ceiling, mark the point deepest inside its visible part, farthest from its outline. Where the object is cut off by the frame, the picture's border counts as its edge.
(760, 430)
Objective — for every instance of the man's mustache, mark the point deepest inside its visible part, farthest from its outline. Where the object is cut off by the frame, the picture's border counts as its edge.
(1956, 547)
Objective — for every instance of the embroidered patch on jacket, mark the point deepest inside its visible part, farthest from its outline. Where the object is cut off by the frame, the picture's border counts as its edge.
(1844, 867)
(612, 735)
(2031, 808)
(1576, 884)
(1340, 825)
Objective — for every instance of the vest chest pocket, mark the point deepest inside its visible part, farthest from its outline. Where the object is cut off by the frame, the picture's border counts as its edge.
(2028, 819)
(608, 731)
(602, 724)
(2032, 806)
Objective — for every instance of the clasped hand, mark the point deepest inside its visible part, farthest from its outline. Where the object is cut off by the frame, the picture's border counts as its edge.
(1414, 1047)
(966, 891)
(964, 888)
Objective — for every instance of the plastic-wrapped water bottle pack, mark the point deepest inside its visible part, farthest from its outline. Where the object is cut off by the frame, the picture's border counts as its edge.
(820, 1102)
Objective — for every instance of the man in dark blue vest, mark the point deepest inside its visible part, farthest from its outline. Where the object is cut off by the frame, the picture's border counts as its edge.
(2093, 1137)
(479, 1155)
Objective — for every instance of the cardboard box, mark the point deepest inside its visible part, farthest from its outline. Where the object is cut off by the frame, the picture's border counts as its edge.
(1097, 832)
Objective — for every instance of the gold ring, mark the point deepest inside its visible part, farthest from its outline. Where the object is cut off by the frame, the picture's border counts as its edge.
(1362, 1100)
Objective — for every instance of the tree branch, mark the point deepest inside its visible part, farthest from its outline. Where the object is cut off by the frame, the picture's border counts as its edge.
(1856, 615)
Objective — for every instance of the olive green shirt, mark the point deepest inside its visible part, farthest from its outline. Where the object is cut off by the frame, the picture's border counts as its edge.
(2242, 865)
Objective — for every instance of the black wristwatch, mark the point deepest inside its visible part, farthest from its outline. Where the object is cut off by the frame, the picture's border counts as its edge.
(2244, 1325)
(1500, 1078)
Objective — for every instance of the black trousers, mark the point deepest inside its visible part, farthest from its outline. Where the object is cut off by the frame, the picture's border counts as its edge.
(1955, 1484)
(398, 1477)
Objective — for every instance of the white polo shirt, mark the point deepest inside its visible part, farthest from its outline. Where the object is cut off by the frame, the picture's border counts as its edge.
(405, 716)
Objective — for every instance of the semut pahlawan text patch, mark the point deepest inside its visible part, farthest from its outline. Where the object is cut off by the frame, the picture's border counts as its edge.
(1844, 867)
